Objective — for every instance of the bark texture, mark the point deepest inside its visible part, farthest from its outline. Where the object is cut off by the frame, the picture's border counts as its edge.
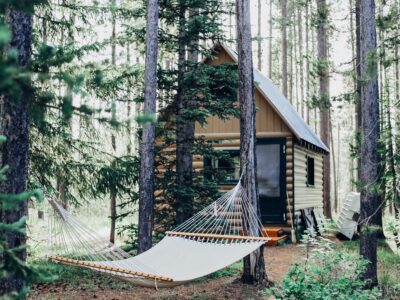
(284, 48)
(146, 181)
(14, 124)
(185, 127)
(369, 170)
(358, 83)
(113, 192)
(253, 265)
(270, 40)
(259, 41)
(322, 41)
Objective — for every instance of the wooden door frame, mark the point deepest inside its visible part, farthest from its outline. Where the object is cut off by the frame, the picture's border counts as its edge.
(282, 181)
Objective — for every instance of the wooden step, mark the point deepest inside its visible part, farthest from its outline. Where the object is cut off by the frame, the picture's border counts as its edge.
(274, 240)
(273, 231)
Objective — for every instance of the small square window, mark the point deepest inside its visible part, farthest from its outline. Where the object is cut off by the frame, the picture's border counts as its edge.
(230, 167)
(310, 171)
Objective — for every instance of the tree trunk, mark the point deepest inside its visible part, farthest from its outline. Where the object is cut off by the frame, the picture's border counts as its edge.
(291, 49)
(294, 64)
(259, 41)
(62, 180)
(270, 40)
(284, 48)
(146, 180)
(370, 138)
(14, 124)
(301, 66)
(113, 192)
(113, 200)
(354, 66)
(184, 128)
(335, 187)
(253, 264)
(396, 200)
(324, 97)
(308, 93)
(129, 106)
(358, 88)
(391, 155)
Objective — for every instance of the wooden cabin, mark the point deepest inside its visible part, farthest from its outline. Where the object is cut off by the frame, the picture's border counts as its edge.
(289, 153)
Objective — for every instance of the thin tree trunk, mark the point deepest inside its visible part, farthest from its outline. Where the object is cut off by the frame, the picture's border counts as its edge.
(308, 94)
(129, 107)
(295, 46)
(146, 180)
(230, 21)
(62, 181)
(113, 192)
(396, 200)
(291, 64)
(301, 66)
(185, 128)
(14, 124)
(338, 178)
(259, 41)
(391, 155)
(335, 197)
(324, 97)
(253, 264)
(358, 89)
(313, 89)
(354, 64)
(270, 40)
(369, 147)
(284, 48)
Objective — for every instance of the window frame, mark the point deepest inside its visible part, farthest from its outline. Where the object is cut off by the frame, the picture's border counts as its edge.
(310, 183)
(208, 162)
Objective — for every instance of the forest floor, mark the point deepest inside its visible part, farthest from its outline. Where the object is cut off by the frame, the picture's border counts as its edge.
(225, 284)
(79, 283)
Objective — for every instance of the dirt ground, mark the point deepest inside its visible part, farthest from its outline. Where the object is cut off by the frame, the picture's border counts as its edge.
(277, 259)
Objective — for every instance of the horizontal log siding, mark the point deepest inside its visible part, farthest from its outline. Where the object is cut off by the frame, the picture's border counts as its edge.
(289, 179)
(307, 196)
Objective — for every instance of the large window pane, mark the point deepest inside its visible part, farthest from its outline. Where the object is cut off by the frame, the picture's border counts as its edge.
(268, 170)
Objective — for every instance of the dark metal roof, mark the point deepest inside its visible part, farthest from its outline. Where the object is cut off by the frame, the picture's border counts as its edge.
(282, 106)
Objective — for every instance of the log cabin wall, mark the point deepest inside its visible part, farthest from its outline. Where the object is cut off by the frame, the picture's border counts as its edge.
(289, 180)
(267, 120)
(307, 196)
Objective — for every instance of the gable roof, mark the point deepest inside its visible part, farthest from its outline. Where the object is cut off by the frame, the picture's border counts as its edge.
(281, 105)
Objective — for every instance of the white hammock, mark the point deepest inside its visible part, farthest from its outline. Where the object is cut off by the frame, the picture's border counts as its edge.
(219, 235)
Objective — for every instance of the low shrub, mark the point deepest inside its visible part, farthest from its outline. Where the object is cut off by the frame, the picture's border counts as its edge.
(327, 273)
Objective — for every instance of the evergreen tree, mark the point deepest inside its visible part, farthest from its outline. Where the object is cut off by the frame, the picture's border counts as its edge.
(14, 118)
(253, 267)
(146, 182)
(370, 140)
(324, 101)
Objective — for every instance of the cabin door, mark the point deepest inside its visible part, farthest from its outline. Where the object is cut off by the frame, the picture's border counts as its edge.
(271, 180)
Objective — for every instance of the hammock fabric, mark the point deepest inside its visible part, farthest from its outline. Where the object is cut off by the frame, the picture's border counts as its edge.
(217, 236)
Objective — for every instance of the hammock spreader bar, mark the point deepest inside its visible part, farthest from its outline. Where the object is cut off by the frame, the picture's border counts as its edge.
(218, 236)
(89, 264)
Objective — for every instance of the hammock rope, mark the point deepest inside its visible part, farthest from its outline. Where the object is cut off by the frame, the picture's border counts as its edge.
(220, 234)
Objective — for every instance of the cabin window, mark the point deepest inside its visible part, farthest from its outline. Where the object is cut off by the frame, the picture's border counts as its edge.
(310, 171)
(226, 170)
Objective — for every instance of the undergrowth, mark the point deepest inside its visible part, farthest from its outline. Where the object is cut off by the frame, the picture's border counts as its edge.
(388, 268)
(76, 277)
(327, 272)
